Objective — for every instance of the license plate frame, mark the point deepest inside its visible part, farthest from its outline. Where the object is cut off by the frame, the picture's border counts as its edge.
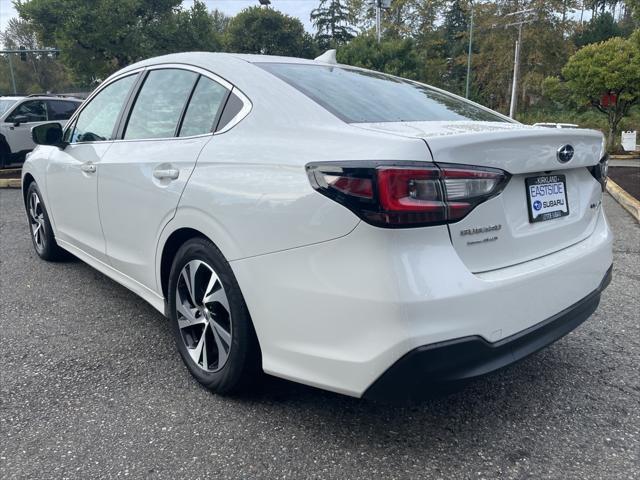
(541, 180)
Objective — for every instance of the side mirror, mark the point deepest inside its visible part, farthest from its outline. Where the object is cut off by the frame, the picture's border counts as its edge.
(18, 119)
(48, 134)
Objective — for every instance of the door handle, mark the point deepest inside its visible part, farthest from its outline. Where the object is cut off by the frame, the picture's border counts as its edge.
(166, 173)
(88, 167)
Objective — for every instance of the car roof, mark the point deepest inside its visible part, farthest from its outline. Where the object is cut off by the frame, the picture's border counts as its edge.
(11, 98)
(254, 58)
(272, 99)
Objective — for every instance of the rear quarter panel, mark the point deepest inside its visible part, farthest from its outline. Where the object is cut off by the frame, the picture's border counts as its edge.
(251, 193)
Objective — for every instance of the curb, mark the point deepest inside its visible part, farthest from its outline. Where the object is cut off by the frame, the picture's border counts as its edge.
(624, 157)
(10, 183)
(627, 202)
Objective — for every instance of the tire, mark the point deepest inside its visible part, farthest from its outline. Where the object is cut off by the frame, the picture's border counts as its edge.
(44, 241)
(212, 326)
(4, 153)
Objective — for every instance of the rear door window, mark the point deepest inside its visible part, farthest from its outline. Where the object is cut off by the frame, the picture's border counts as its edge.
(61, 109)
(160, 103)
(203, 109)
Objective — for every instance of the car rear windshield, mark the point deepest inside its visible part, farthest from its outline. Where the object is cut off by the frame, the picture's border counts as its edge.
(6, 105)
(362, 96)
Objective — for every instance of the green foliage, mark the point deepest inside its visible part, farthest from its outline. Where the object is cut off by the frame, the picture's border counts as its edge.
(607, 67)
(455, 44)
(585, 117)
(332, 20)
(268, 32)
(98, 37)
(40, 73)
(634, 9)
(393, 56)
(598, 29)
(556, 91)
(186, 30)
(611, 66)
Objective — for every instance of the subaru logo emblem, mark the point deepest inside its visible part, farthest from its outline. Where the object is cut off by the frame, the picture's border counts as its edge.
(565, 153)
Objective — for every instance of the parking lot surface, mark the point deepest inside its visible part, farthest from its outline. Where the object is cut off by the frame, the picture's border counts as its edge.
(91, 386)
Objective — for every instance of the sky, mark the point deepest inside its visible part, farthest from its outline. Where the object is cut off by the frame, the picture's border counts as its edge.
(295, 8)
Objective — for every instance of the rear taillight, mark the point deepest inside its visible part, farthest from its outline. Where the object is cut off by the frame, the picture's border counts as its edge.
(407, 195)
(601, 171)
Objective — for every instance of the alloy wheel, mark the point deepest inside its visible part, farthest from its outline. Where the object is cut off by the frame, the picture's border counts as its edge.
(36, 220)
(204, 316)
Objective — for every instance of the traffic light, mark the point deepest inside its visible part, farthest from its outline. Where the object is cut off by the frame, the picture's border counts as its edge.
(23, 55)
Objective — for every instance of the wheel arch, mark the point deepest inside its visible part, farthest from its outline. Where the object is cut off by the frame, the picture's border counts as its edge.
(170, 248)
(190, 223)
(27, 180)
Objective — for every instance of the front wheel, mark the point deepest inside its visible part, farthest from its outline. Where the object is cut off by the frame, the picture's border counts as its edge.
(211, 324)
(44, 241)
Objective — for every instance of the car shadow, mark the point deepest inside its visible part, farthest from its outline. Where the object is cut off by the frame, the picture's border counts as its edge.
(513, 395)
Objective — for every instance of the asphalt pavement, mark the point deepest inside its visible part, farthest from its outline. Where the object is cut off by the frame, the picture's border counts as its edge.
(91, 387)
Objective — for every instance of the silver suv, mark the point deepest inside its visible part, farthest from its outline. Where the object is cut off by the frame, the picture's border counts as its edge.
(19, 114)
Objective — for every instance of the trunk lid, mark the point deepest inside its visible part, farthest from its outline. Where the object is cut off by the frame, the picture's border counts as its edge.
(499, 232)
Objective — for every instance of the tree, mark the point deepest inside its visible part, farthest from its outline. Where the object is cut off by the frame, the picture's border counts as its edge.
(455, 34)
(40, 73)
(268, 32)
(332, 19)
(186, 30)
(220, 21)
(606, 76)
(598, 29)
(395, 56)
(97, 37)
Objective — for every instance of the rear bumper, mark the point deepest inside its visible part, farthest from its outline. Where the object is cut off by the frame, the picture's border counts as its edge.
(425, 369)
(339, 314)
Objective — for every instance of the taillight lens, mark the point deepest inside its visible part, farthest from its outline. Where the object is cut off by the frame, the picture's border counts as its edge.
(601, 172)
(407, 195)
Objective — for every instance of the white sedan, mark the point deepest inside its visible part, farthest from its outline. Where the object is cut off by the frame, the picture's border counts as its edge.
(327, 224)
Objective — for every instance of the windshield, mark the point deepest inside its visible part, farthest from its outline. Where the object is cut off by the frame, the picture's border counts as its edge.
(362, 96)
(6, 105)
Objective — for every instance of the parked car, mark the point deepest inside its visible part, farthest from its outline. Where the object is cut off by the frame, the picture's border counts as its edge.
(19, 114)
(335, 226)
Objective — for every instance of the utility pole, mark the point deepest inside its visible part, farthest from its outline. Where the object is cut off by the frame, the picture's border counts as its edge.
(378, 20)
(466, 91)
(379, 5)
(524, 19)
(516, 73)
(13, 78)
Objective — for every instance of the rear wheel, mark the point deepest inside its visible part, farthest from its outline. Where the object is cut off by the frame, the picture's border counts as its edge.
(211, 324)
(42, 236)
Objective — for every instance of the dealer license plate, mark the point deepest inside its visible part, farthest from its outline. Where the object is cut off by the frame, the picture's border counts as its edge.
(547, 197)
